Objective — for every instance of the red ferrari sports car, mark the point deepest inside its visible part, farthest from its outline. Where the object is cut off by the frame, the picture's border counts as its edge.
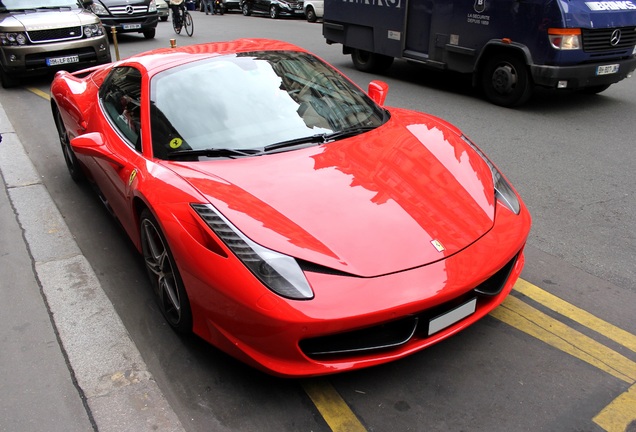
(285, 215)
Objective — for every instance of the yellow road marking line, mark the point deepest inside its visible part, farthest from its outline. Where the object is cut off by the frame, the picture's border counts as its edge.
(39, 92)
(332, 407)
(553, 332)
(618, 415)
(551, 301)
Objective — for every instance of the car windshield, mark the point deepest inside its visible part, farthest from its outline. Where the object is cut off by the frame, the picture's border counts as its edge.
(21, 5)
(266, 100)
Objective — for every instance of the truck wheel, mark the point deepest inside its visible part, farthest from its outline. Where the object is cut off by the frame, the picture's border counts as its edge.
(366, 61)
(311, 14)
(505, 80)
(247, 11)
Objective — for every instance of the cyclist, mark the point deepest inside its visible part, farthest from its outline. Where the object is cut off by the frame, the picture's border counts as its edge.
(177, 7)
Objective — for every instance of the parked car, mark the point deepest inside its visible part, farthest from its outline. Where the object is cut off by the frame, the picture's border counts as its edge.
(163, 10)
(304, 227)
(274, 8)
(41, 36)
(314, 9)
(128, 16)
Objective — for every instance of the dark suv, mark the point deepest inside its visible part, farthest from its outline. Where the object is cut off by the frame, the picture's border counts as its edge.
(128, 16)
(274, 8)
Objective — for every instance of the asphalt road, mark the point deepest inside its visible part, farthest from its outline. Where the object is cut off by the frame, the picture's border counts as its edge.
(572, 158)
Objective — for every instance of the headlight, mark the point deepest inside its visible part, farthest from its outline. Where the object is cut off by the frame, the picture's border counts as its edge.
(565, 39)
(280, 273)
(98, 8)
(152, 7)
(92, 30)
(503, 190)
(13, 39)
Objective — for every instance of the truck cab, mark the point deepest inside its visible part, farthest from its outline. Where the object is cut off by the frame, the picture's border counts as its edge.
(509, 46)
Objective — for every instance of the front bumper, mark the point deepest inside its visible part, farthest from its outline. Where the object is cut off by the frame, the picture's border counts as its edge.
(133, 24)
(31, 60)
(285, 337)
(581, 76)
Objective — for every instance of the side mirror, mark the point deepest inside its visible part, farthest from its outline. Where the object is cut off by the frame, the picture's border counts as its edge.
(378, 91)
(93, 145)
(87, 3)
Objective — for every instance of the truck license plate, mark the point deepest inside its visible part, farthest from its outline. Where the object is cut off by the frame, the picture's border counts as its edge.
(607, 69)
(131, 26)
(56, 61)
(449, 318)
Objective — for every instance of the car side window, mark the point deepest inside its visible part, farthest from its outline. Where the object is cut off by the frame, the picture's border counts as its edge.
(121, 98)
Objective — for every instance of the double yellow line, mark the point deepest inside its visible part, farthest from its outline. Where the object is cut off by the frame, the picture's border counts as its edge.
(616, 417)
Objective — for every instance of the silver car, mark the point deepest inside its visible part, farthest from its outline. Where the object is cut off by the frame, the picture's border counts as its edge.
(39, 36)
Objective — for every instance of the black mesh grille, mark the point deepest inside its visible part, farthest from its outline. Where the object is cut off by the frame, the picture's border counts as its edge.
(49, 35)
(608, 39)
(393, 334)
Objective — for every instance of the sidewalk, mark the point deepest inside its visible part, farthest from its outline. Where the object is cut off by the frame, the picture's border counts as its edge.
(68, 364)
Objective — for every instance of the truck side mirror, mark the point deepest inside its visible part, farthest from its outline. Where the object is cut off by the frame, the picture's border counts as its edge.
(378, 91)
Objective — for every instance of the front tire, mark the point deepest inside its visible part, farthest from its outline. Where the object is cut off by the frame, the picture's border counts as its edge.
(311, 14)
(247, 11)
(189, 24)
(72, 164)
(7, 80)
(150, 33)
(506, 81)
(274, 12)
(366, 61)
(164, 275)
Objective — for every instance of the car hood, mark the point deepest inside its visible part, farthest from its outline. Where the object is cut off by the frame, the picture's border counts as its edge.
(53, 19)
(398, 197)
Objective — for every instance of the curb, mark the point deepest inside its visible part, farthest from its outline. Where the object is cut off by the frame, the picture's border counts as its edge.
(120, 393)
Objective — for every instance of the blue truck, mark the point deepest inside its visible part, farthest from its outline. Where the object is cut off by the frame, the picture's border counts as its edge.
(508, 46)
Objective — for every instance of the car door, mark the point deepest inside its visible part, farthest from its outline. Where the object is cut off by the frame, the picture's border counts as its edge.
(120, 101)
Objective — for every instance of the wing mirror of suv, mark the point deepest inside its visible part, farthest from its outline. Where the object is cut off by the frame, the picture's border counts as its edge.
(378, 91)
(87, 3)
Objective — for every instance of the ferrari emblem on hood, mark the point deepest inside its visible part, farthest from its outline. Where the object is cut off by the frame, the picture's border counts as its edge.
(438, 245)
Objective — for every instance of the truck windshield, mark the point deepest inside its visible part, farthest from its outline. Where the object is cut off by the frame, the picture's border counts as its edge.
(23, 5)
(258, 100)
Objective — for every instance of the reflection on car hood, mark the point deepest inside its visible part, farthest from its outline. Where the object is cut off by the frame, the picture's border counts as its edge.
(53, 19)
(370, 205)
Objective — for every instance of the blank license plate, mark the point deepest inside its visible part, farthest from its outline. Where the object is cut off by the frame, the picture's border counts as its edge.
(607, 69)
(451, 317)
(131, 26)
(56, 61)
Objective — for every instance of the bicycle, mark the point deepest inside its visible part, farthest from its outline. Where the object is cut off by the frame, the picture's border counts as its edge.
(182, 19)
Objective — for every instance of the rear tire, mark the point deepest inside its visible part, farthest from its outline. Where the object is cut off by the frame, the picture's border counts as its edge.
(506, 81)
(370, 62)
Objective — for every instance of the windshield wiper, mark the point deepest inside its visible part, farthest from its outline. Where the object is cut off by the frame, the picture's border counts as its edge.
(212, 152)
(349, 132)
(318, 138)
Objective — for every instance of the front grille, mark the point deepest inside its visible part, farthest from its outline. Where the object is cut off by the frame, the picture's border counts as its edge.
(600, 40)
(393, 334)
(128, 10)
(52, 35)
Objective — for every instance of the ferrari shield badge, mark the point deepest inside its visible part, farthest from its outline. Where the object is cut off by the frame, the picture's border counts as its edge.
(438, 245)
